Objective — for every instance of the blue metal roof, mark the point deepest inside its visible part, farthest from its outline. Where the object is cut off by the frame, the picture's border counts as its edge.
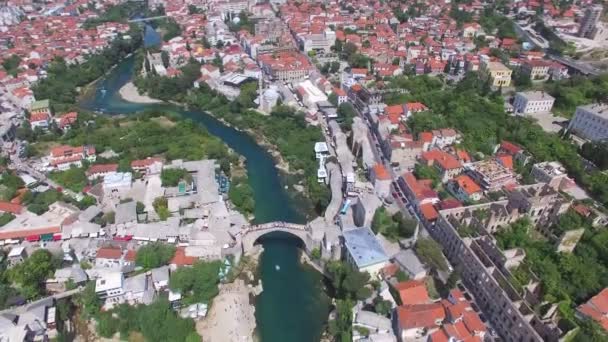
(364, 247)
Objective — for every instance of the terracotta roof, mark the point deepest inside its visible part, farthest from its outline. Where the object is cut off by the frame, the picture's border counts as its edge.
(131, 255)
(419, 189)
(597, 308)
(390, 270)
(510, 147)
(394, 110)
(426, 137)
(505, 160)
(35, 117)
(381, 173)
(12, 208)
(339, 92)
(65, 150)
(102, 168)
(180, 258)
(412, 292)
(420, 316)
(109, 253)
(473, 322)
(467, 184)
(444, 159)
(457, 330)
(456, 310)
(415, 107)
(144, 162)
(67, 119)
(429, 212)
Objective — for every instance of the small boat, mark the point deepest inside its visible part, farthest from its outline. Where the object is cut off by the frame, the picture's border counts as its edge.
(277, 267)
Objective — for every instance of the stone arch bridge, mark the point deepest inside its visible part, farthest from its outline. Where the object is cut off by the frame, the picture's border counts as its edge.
(250, 234)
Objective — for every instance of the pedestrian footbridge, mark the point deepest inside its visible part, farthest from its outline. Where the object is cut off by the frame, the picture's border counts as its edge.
(250, 234)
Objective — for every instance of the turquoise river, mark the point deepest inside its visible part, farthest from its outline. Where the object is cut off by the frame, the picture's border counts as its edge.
(292, 307)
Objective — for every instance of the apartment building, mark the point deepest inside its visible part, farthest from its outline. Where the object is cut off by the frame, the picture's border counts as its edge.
(588, 28)
(498, 73)
(447, 165)
(530, 102)
(552, 173)
(490, 174)
(590, 122)
(321, 41)
(536, 69)
(288, 66)
(485, 271)
(62, 157)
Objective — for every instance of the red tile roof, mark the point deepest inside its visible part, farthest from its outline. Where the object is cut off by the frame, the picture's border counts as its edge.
(102, 168)
(426, 137)
(180, 258)
(467, 184)
(419, 189)
(9, 207)
(505, 160)
(66, 151)
(67, 119)
(381, 172)
(510, 147)
(420, 316)
(597, 308)
(473, 322)
(131, 255)
(445, 160)
(429, 212)
(109, 253)
(144, 162)
(412, 292)
(339, 92)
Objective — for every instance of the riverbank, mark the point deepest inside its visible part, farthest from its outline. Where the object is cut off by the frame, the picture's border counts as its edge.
(129, 92)
(294, 285)
(232, 315)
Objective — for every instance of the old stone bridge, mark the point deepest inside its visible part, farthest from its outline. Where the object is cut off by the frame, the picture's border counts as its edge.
(250, 234)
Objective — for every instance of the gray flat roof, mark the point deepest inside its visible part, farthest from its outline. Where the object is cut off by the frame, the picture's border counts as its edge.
(364, 247)
(536, 95)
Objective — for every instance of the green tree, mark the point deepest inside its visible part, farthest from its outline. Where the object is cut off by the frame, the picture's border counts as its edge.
(241, 195)
(197, 283)
(154, 255)
(382, 307)
(11, 64)
(430, 252)
(31, 274)
(161, 207)
(172, 177)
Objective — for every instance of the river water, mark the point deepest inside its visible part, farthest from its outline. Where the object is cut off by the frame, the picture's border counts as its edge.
(293, 306)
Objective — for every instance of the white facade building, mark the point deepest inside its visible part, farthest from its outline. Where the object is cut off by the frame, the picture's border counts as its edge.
(590, 122)
(533, 102)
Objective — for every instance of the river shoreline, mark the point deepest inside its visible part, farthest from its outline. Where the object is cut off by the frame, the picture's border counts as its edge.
(293, 284)
(129, 92)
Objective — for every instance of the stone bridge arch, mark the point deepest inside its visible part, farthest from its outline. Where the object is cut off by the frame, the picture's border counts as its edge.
(251, 234)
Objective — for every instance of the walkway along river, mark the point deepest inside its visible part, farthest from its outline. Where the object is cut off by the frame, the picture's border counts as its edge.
(293, 306)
